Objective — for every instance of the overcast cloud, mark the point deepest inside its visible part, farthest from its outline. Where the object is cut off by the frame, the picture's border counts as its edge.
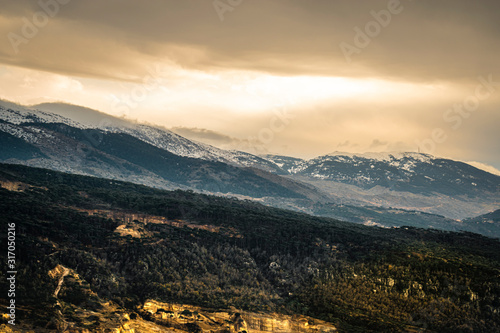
(223, 82)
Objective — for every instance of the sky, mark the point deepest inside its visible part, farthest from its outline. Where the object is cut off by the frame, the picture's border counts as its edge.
(291, 77)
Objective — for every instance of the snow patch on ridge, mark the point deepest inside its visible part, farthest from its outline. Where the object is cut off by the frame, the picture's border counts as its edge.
(22, 115)
(384, 156)
(14, 114)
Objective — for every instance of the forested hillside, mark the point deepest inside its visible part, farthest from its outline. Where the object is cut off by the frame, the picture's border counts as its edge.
(129, 244)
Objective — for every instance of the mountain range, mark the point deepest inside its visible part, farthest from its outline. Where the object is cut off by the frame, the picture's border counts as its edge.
(384, 189)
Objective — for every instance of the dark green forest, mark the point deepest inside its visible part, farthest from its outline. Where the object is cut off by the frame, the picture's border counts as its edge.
(362, 279)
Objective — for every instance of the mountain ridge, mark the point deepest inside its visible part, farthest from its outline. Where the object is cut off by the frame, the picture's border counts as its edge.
(59, 143)
(402, 180)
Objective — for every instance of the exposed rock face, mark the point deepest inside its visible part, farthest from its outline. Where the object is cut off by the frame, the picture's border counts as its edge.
(17, 186)
(57, 272)
(206, 320)
(134, 221)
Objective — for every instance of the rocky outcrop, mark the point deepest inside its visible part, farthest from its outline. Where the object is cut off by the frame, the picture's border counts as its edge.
(210, 321)
(17, 186)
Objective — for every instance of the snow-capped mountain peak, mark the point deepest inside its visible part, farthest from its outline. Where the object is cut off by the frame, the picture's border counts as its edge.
(385, 156)
(85, 118)
(16, 114)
